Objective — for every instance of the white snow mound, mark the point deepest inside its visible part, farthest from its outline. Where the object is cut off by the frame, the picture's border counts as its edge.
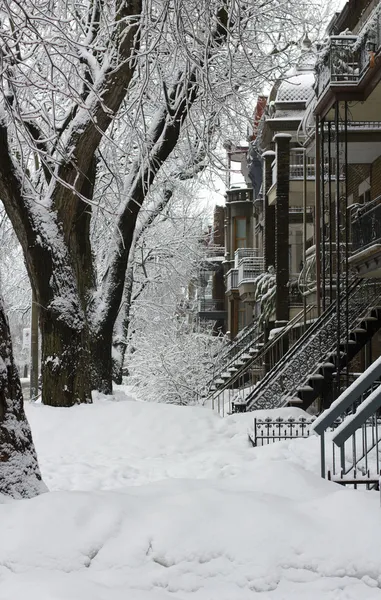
(155, 502)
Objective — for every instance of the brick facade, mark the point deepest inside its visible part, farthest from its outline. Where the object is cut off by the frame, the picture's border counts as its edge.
(375, 179)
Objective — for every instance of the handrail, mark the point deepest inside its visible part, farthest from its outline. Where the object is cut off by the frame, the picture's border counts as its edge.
(266, 348)
(354, 421)
(293, 369)
(295, 348)
(233, 357)
(348, 397)
(357, 409)
(239, 341)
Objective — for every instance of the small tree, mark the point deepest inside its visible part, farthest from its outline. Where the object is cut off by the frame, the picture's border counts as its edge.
(19, 472)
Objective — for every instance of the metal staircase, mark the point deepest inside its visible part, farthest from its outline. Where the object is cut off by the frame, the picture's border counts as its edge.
(307, 370)
(237, 355)
(249, 366)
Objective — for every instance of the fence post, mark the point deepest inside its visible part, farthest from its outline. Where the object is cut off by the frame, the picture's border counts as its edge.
(322, 454)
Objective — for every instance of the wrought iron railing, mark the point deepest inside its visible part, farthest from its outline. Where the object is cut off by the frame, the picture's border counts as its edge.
(243, 341)
(280, 385)
(267, 431)
(366, 226)
(235, 390)
(295, 297)
(348, 57)
(248, 340)
(232, 280)
(355, 456)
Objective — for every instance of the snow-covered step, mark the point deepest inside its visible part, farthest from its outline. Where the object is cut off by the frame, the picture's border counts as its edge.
(295, 400)
(305, 388)
(316, 376)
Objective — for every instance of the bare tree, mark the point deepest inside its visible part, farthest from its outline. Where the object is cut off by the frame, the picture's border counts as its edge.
(79, 80)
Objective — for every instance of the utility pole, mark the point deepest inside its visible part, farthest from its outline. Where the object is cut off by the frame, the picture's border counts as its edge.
(34, 351)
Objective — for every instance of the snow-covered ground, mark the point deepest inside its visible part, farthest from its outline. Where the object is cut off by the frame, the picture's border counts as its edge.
(156, 502)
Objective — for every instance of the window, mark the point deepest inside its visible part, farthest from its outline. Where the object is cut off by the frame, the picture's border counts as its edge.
(364, 192)
(240, 233)
(365, 197)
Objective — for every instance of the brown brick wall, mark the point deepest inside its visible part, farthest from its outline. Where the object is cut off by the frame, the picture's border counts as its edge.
(357, 173)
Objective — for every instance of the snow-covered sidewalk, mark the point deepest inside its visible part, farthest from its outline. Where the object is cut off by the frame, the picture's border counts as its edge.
(154, 502)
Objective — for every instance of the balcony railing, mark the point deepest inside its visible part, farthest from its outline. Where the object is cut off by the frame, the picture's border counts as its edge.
(296, 166)
(366, 226)
(249, 269)
(241, 253)
(348, 57)
(240, 195)
(210, 305)
(232, 280)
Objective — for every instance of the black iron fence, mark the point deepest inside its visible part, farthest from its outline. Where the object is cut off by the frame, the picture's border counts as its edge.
(267, 431)
(348, 57)
(366, 225)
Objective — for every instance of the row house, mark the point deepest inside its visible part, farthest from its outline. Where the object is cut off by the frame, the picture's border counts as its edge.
(302, 233)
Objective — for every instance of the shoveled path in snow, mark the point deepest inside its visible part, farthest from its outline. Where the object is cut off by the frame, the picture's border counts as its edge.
(154, 502)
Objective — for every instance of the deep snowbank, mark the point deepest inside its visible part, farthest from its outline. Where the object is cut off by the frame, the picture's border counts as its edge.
(187, 508)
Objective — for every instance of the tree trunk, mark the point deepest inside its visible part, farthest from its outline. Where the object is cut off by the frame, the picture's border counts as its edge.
(65, 362)
(101, 361)
(118, 354)
(19, 472)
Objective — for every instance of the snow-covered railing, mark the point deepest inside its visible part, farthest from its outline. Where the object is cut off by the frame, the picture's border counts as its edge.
(315, 346)
(249, 269)
(356, 441)
(347, 58)
(241, 253)
(267, 431)
(246, 374)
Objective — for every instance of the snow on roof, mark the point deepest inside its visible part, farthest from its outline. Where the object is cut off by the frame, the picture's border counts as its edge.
(297, 88)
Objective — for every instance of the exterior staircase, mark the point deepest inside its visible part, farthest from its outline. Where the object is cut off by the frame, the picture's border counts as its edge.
(248, 365)
(308, 369)
(237, 356)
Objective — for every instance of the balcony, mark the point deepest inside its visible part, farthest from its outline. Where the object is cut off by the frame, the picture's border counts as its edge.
(239, 195)
(366, 238)
(249, 269)
(366, 225)
(297, 166)
(211, 309)
(241, 253)
(347, 58)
